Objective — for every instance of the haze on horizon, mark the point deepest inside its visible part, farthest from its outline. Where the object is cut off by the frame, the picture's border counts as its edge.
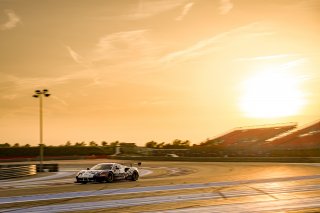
(140, 70)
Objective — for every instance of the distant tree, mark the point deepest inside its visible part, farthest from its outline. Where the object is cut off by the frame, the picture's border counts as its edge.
(186, 143)
(16, 145)
(92, 143)
(68, 143)
(160, 145)
(27, 145)
(104, 143)
(176, 143)
(5, 145)
(80, 143)
(151, 144)
(124, 144)
(115, 143)
(167, 146)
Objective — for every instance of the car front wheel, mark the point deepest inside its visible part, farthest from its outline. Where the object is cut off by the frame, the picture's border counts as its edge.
(135, 176)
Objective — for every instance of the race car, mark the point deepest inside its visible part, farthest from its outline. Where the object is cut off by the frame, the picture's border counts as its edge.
(108, 172)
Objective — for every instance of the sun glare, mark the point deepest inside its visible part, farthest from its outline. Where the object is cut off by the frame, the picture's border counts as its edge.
(271, 94)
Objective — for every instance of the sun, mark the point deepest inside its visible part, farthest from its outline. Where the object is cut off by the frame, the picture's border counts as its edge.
(272, 94)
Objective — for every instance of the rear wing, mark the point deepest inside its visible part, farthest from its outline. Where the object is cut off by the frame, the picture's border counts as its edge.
(133, 164)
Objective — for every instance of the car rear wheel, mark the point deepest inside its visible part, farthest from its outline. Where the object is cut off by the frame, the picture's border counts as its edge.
(110, 177)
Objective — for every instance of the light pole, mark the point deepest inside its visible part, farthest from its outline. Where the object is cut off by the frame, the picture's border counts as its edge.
(39, 94)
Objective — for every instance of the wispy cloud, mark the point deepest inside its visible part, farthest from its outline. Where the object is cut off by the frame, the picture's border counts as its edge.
(110, 53)
(13, 20)
(225, 6)
(111, 48)
(74, 55)
(115, 51)
(24, 83)
(87, 64)
(117, 44)
(209, 45)
(292, 64)
(148, 8)
(123, 48)
(185, 10)
(267, 57)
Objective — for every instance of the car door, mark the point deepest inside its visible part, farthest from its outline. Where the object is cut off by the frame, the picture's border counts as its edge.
(122, 173)
(118, 171)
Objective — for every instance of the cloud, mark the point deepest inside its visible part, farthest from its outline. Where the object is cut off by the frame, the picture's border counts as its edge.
(13, 20)
(211, 44)
(120, 46)
(267, 57)
(74, 55)
(24, 83)
(116, 52)
(148, 8)
(225, 6)
(186, 9)
(292, 64)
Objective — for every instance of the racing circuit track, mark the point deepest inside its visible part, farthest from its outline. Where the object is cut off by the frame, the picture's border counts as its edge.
(171, 187)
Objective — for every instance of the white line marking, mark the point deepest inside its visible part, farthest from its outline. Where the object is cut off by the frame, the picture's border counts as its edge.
(262, 206)
(39, 197)
(288, 204)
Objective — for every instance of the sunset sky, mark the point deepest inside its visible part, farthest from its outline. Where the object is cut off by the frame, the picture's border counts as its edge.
(141, 70)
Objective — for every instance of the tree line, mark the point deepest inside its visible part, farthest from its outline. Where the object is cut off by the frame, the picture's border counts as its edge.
(175, 144)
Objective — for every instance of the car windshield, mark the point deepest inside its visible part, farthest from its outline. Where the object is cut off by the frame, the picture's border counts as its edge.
(102, 167)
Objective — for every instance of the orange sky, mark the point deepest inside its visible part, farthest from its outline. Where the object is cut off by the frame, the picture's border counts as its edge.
(138, 70)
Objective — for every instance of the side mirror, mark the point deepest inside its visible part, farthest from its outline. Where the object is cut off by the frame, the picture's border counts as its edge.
(88, 168)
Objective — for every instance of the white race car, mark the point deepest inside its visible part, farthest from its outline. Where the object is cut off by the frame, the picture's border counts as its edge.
(108, 172)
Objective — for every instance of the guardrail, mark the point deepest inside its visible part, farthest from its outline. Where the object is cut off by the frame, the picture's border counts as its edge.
(13, 171)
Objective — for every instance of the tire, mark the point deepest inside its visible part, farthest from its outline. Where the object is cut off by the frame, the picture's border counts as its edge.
(110, 178)
(135, 176)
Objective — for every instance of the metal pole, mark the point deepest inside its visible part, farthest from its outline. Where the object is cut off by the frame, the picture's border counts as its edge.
(40, 94)
(41, 135)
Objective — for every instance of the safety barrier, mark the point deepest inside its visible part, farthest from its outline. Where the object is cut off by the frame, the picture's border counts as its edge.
(223, 159)
(13, 171)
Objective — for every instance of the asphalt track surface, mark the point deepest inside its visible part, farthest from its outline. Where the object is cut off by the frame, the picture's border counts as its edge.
(54, 179)
(244, 187)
